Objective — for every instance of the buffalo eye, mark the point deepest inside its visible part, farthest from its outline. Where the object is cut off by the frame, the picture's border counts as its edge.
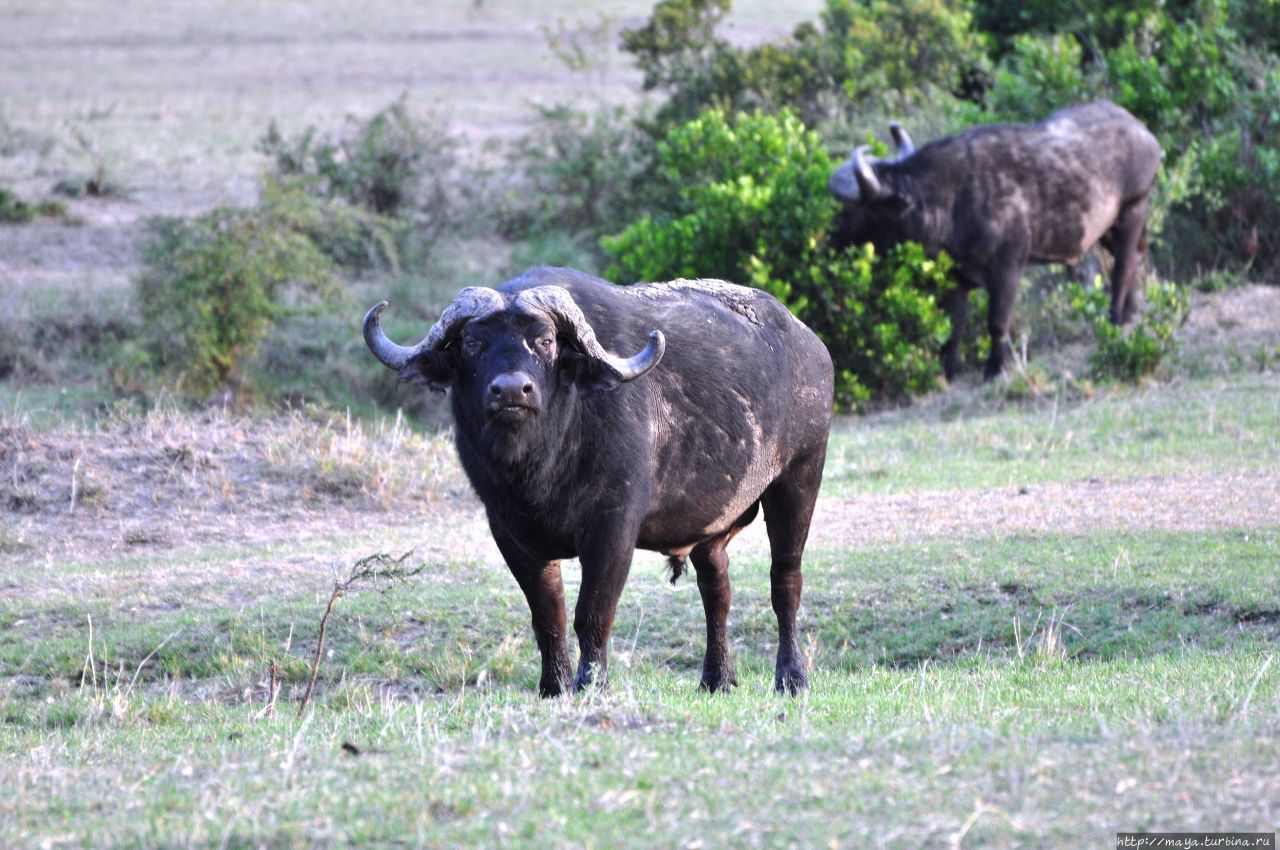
(545, 343)
(471, 346)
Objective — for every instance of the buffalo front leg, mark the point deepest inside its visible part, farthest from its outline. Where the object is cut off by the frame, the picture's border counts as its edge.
(711, 561)
(788, 508)
(1002, 292)
(544, 590)
(606, 561)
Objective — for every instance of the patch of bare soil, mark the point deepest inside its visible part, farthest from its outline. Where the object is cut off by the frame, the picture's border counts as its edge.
(101, 251)
(1193, 502)
(1243, 319)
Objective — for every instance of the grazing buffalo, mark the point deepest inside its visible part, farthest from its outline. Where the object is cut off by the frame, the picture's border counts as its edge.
(998, 197)
(577, 450)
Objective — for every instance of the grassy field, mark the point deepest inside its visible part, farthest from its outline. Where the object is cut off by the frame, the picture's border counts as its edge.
(1029, 623)
(972, 686)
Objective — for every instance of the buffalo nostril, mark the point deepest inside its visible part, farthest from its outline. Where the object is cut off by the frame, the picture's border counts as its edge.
(495, 390)
(528, 389)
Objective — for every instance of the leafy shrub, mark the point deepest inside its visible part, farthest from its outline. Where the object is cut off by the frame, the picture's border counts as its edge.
(731, 193)
(678, 52)
(349, 235)
(14, 210)
(864, 50)
(1040, 75)
(393, 165)
(747, 202)
(1179, 77)
(1130, 353)
(1238, 187)
(905, 47)
(578, 171)
(879, 316)
(212, 287)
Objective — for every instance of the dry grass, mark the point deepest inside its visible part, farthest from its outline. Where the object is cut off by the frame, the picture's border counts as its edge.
(169, 478)
(172, 98)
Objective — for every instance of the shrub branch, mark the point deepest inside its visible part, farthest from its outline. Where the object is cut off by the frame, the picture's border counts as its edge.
(375, 567)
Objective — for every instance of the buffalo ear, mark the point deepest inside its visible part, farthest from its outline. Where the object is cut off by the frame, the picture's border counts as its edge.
(586, 372)
(434, 370)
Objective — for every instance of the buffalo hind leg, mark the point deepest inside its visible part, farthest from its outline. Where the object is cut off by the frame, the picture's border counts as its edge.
(788, 508)
(1127, 240)
(711, 562)
(956, 305)
(544, 591)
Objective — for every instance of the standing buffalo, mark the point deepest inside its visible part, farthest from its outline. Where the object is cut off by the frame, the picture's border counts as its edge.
(998, 197)
(579, 452)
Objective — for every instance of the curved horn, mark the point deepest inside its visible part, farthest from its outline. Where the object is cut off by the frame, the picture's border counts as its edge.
(557, 301)
(471, 303)
(388, 353)
(868, 184)
(902, 139)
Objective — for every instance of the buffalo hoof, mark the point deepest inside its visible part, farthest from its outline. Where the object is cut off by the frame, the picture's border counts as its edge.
(590, 674)
(718, 681)
(556, 679)
(1124, 317)
(553, 688)
(790, 681)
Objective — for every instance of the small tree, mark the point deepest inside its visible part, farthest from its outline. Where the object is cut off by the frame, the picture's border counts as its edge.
(212, 287)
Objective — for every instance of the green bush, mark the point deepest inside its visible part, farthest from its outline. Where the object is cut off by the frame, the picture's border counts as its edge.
(879, 316)
(864, 50)
(905, 47)
(1134, 352)
(747, 202)
(1039, 75)
(392, 165)
(212, 287)
(731, 193)
(14, 210)
(351, 236)
(1238, 181)
(577, 171)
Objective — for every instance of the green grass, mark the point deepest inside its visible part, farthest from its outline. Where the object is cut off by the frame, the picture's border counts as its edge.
(1057, 756)
(1195, 425)
(1024, 679)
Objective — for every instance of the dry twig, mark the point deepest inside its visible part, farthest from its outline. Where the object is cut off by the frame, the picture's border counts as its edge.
(372, 567)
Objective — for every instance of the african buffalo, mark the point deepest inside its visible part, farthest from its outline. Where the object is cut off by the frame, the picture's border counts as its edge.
(578, 452)
(998, 197)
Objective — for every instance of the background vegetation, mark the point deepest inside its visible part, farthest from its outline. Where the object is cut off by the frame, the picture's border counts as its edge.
(718, 170)
(1036, 611)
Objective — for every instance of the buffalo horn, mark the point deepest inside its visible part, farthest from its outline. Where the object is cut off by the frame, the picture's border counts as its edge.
(471, 303)
(557, 301)
(387, 352)
(868, 184)
(902, 139)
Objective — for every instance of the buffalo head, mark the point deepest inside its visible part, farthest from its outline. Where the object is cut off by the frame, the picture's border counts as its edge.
(856, 180)
(507, 357)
